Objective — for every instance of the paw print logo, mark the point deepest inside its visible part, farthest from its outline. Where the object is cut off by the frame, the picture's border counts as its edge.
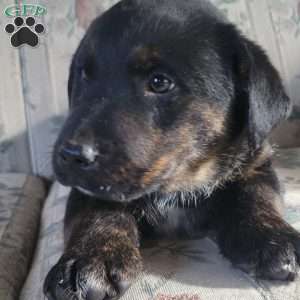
(24, 31)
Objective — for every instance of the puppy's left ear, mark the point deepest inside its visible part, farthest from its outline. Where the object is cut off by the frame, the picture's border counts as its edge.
(268, 103)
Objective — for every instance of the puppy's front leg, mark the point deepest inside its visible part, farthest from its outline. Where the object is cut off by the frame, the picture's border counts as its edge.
(251, 231)
(101, 256)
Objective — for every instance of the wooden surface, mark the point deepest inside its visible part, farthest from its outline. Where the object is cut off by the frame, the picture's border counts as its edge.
(33, 93)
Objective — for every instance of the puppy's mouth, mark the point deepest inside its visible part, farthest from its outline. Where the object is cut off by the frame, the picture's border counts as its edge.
(105, 192)
(116, 184)
(113, 193)
(91, 185)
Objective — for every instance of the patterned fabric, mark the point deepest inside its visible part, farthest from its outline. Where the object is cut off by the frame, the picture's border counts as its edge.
(177, 270)
(21, 199)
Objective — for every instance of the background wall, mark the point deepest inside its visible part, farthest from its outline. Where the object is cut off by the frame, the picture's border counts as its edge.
(33, 96)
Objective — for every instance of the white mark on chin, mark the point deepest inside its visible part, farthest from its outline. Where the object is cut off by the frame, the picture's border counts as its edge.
(105, 188)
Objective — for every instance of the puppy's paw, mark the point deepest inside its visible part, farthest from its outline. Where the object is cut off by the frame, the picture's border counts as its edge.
(278, 259)
(105, 275)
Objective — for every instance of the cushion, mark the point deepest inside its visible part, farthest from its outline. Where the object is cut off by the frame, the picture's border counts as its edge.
(177, 270)
(21, 200)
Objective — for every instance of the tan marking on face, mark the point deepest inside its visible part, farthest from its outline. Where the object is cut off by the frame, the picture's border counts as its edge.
(136, 135)
(186, 178)
(184, 141)
(196, 167)
(145, 56)
(157, 169)
(213, 117)
(182, 172)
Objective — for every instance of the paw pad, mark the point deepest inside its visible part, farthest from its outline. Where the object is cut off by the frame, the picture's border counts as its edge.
(24, 31)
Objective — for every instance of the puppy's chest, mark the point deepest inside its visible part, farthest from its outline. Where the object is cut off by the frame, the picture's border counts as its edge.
(182, 222)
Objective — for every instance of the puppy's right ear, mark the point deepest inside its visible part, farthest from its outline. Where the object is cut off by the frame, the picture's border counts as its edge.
(264, 94)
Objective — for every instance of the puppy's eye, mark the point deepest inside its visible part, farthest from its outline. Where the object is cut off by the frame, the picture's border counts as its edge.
(161, 83)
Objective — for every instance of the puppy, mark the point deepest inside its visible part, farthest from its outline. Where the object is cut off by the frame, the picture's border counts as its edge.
(170, 112)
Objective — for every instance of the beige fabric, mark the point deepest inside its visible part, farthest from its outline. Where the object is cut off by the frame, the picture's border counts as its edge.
(50, 243)
(190, 270)
(21, 199)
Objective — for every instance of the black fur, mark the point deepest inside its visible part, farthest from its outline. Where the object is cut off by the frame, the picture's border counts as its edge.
(170, 112)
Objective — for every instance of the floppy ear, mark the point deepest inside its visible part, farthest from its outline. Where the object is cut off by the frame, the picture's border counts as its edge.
(268, 103)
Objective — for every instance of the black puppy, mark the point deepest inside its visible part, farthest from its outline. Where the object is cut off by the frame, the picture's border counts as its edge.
(171, 108)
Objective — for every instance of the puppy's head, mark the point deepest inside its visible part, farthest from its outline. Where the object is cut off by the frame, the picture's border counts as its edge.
(159, 91)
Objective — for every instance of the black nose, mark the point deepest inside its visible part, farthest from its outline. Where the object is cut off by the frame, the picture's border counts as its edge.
(78, 155)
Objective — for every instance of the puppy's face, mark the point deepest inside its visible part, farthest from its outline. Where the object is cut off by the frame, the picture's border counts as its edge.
(152, 102)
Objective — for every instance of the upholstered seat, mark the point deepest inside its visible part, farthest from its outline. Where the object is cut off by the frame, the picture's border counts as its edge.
(190, 270)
